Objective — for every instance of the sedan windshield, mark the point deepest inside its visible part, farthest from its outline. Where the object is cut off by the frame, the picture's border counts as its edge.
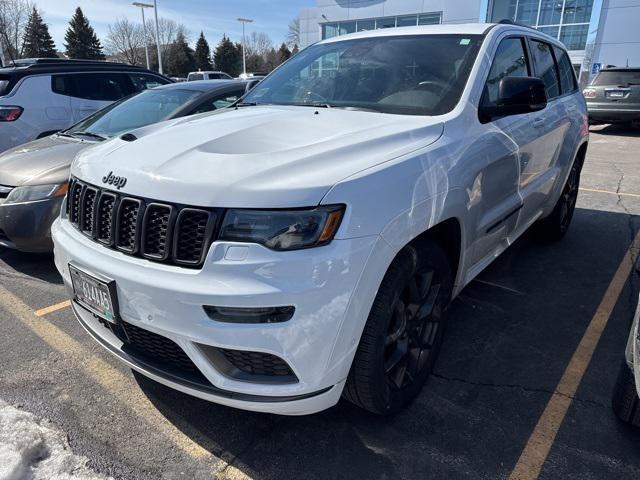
(149, 106)
(412, 75)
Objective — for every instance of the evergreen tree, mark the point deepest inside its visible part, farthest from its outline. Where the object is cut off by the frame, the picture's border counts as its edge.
(37, 40)
(227, 57)
(81, 40)
(295, 50)
(203, 54)
(180, 60)
(284, 53)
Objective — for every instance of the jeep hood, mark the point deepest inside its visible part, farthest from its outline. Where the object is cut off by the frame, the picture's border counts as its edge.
(40, 162)
(258, 157)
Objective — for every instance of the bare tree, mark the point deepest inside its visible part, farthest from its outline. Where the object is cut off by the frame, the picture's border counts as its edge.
(259, 43)
(168, 31)
(293, 36)
(14, 15)
(125, 42)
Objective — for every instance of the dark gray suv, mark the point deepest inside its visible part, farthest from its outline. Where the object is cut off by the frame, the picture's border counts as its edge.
(614, 96)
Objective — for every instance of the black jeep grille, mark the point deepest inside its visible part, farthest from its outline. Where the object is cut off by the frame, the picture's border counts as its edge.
(160, 232)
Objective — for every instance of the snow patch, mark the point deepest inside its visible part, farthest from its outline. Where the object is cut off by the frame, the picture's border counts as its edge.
(32, 449)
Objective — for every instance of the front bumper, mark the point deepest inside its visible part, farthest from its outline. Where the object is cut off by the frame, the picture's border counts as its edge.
(27, 226)
(330, 288)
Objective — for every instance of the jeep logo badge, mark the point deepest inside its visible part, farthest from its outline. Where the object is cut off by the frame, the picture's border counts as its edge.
(111, 179)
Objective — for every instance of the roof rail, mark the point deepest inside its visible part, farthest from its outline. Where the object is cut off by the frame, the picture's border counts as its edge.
(61, 62)
(508, 21)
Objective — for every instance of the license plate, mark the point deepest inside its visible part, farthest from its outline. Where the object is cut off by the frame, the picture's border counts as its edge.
(95, 294)
(616, 94)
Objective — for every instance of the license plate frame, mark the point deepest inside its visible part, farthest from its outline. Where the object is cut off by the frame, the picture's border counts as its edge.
(87, 284)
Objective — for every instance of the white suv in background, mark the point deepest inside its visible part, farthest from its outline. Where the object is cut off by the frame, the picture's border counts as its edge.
(39, 97)
(306, 244)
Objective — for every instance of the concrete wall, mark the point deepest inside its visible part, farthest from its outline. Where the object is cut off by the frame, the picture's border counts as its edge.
(453, 11)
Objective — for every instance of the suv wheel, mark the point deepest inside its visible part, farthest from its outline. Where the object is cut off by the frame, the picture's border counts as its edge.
(626, 403)
(403, 334)
(555, 226)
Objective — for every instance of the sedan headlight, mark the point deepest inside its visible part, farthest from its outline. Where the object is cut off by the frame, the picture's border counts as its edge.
(36, 192)
(283, 229)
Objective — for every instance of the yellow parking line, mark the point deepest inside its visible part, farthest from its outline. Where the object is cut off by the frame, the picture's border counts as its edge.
(53, 308)
(101, 372)
(539, 444)
(610, 192)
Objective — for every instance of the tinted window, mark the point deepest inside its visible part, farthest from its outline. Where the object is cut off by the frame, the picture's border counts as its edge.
(545, 67)
(567, 78)
(219, 101)
(510, 61)
(148, 107)
(104, 86)
(617, 78)
(195, 76)
(413, 75)
(143, 81)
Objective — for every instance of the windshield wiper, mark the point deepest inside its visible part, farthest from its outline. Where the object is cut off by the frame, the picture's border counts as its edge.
(90, 134)
(63, 134)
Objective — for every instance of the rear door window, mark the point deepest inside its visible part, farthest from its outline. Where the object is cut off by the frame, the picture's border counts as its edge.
(143, 81)
(103, 86)
(568, 82)
(545, 67)
(195, 76)
(510, 61)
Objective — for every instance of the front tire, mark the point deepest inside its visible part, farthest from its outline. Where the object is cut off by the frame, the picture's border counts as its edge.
(625, 402)
(404, 331)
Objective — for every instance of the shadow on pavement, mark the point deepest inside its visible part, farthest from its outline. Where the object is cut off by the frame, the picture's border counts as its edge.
(511, 334)
(620, 130)
(36, 265)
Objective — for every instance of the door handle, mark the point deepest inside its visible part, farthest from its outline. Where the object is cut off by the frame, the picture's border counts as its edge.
(539, 122)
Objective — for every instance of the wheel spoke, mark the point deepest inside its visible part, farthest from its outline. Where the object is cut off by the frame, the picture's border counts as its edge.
(397, 355)
(429, 302)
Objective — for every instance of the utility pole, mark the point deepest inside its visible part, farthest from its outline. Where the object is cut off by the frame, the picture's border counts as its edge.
(244, 45)
(155, 9)
(144, 28)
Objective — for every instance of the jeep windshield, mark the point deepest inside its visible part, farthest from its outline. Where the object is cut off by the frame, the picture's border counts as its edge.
(410, 75)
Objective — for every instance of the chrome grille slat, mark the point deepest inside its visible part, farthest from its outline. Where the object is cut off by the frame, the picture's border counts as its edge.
(158, 231)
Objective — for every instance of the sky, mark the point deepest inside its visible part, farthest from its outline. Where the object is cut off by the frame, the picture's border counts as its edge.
(213, 17)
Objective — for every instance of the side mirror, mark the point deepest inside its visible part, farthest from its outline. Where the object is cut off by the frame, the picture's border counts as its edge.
(251, 85)
(516, 95)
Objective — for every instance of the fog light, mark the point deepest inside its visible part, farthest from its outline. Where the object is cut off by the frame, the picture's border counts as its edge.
(249, 315)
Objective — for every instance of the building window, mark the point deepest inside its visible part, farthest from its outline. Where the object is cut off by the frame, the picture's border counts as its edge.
(387, 22)
(574, 36)
(407, 21)
(566, 20)
(335, 29)
(366, 25)
(430, 18)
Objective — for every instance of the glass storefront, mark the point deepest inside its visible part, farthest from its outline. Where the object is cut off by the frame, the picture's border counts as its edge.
(334, 29)
(566, 20)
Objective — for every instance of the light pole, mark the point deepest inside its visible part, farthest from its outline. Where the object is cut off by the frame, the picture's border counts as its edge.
(244, 45)
(155, 10)
(144, 27)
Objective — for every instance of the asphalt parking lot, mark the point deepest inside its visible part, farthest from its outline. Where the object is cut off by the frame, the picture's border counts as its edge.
(522, 388)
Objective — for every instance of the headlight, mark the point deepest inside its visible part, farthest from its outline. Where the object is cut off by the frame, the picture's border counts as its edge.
(283, 229)
(36, 192)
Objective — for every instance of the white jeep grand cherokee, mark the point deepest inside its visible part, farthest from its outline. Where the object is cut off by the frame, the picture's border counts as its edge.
(306, 244)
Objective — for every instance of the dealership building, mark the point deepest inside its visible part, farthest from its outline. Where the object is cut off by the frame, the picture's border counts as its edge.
(596, 32)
